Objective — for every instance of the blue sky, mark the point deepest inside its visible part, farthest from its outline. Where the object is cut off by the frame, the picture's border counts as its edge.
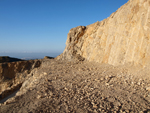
(42, 25)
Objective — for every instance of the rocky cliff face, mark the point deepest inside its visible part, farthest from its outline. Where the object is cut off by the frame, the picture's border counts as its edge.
(122, 38)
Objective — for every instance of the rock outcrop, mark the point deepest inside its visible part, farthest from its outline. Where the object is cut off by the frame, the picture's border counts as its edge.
(48, 57)
(122, 38)
(13, 74)
(8, 59)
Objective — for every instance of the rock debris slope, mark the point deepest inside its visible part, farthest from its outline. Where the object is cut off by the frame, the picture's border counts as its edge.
(80, 87)
(122, 38)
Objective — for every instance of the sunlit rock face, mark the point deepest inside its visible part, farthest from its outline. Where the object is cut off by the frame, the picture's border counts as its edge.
(122, 38)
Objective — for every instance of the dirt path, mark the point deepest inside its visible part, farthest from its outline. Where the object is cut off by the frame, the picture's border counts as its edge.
(80, 87)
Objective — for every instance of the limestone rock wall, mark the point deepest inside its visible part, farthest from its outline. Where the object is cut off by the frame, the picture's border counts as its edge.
(122, 38)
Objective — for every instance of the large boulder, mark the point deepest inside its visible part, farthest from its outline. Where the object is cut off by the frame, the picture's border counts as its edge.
(122, 38)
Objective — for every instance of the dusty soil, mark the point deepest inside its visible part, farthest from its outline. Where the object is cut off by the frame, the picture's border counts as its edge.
(81, 87)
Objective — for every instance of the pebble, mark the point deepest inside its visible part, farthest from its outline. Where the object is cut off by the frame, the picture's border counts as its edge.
(102, 79)
(148, 88)
(39, 96)
(139, 83)
(92, 74)
(107, 84)
(106, 77)
(45, 73)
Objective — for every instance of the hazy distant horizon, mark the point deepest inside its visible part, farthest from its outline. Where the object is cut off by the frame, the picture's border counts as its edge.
(33, 55)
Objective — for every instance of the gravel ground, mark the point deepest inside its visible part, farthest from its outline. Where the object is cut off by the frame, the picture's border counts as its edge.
(81, 87)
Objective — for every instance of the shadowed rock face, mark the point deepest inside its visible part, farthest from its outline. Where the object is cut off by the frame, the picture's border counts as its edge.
(122, 38)
(8, 70)
(48, 57)
(12, 74)
(8, 59)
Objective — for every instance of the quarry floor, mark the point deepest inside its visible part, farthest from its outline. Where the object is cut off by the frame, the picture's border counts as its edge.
(81, 87)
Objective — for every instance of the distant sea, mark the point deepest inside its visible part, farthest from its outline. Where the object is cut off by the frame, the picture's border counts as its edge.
(28, 56)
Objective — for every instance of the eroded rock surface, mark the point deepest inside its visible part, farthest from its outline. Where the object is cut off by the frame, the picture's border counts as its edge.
(122, 38)
(12, 74)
